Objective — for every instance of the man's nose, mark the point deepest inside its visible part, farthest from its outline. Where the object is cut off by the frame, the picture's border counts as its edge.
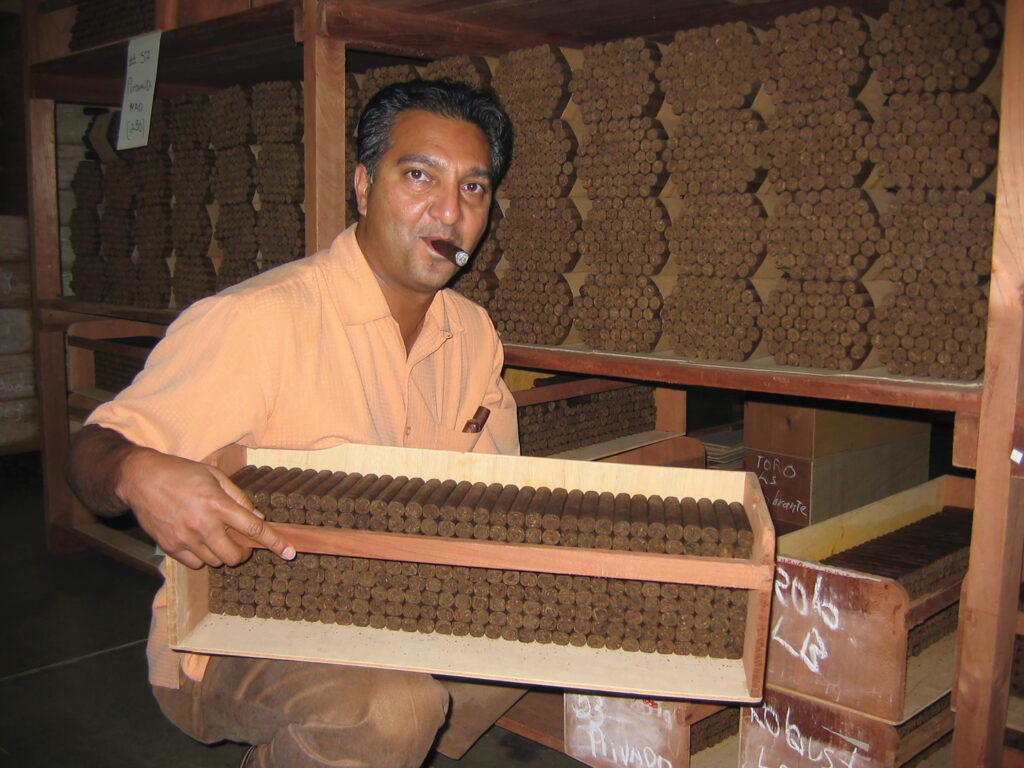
(447, 204)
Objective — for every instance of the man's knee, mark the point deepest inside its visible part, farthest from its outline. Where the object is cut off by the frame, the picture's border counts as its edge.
(397, 721)
(409, 709)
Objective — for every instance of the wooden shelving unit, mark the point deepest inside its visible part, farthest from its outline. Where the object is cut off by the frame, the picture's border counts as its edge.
(208, 45)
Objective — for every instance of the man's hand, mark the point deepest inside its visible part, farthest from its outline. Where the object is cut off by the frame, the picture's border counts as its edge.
(187, 507)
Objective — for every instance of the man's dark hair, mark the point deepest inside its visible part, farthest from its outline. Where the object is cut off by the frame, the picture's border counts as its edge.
(444, 98)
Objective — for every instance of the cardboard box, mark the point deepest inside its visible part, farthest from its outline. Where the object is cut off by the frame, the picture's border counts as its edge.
(802, 491)
(813, 433)
(193, 628)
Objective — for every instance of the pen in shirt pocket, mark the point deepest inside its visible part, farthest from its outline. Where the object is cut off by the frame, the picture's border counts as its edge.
(476, 424)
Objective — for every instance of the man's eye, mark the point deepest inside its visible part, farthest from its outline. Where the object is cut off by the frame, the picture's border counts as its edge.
(474, 188)
(416, 174)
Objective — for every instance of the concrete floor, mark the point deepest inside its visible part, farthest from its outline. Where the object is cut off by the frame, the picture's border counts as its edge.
(73, 688)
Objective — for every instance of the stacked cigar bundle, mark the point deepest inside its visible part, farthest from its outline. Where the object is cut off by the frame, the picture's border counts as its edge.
(233, 183)
(545, 146)
(714, 729)
(516, 606)
(191, 172)
(103, 21)
(715, 157)
(710, 76)
(817, 324)
(717, 242)
(533, 83)
(280, 171)
(831, 234)
(924, 556)
(471, 70)
(87, 276)
(933, 45)
(712, 68)
(915, 336)
(934, 322)
(116, 224)
(151, 166)
(623, 243)
(541, 233)
(935, 141)
(713, 318)
(532, 307)
(621, 159)
(562, 425)
(537, 236)
(477, 280)
(545, 153)
(818, 68)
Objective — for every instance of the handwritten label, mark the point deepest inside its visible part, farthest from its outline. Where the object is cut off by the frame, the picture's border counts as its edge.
(139, 87)
(804, 640)
(826, 625)
(616, 732)
(785, 482)
(787, 731)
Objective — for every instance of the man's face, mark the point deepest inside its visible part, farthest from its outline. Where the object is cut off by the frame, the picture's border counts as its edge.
(433, 182)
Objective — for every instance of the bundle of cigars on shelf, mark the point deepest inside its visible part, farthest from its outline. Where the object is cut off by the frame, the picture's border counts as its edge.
(635, 579)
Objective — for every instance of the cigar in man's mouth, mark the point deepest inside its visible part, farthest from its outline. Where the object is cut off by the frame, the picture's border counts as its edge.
(450, 251)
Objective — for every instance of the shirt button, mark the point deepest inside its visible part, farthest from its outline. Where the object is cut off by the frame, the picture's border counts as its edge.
(408, 431)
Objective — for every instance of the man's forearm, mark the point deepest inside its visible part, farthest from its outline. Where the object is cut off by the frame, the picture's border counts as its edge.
(93, 468)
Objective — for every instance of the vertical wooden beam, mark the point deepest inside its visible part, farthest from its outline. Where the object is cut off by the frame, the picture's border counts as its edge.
(988, 612)
(51, 377)
(326, 180)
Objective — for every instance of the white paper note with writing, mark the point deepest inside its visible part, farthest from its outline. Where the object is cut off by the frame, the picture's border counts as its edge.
(139, 86)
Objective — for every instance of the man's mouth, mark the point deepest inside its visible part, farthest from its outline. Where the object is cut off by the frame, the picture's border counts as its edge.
(450, 251)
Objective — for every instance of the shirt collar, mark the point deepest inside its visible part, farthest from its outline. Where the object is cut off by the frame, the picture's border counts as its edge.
(359, 299)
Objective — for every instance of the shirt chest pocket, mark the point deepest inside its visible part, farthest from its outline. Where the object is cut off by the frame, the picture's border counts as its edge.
(455, 440)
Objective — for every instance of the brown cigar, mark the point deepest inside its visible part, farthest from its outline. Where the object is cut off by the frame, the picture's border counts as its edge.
(451, 251)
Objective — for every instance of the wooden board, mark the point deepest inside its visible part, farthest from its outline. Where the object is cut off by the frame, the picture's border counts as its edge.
(661, 676)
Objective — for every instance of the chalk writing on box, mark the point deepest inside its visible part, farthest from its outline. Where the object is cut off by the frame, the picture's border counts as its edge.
(805, 640)
(624, 732)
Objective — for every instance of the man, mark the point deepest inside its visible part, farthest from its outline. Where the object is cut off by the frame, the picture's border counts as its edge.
(358, 343)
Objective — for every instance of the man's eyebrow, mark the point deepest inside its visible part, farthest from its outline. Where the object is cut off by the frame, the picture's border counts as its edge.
(433, 162)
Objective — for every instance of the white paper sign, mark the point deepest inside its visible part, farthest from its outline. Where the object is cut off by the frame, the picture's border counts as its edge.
(139, 86)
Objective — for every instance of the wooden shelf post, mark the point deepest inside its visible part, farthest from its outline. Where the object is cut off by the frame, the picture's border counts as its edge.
(988, 613)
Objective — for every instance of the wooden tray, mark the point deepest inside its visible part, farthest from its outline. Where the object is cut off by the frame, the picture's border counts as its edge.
(828, 622)
(193, 628)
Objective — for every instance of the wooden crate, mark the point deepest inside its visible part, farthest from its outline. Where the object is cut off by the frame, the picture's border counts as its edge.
(193, 628)
(612, 731)
(788, 729)
(828, 623)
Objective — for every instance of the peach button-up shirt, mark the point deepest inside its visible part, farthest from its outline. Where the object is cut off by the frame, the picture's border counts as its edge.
(308, 356)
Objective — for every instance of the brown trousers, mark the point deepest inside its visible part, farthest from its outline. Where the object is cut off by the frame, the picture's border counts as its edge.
(307, 715)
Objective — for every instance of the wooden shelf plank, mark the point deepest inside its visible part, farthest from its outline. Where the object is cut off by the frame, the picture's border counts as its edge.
(874, 386)
(120, 545)
(245, 48)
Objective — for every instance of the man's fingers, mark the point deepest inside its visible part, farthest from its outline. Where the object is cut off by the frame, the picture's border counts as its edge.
(257, 529)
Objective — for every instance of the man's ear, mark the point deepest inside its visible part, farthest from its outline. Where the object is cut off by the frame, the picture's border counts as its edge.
(361, 183)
